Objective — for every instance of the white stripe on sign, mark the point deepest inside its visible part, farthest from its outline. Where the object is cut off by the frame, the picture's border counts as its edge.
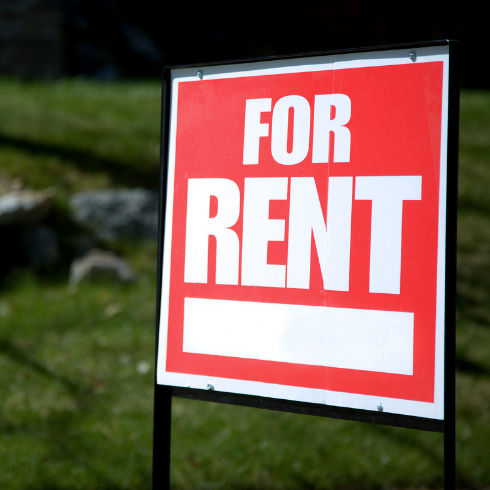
(367, 340)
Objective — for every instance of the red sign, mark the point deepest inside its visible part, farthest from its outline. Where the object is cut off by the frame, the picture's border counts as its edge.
(304, 241)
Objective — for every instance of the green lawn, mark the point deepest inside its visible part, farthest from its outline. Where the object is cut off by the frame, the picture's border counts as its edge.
(76, 367)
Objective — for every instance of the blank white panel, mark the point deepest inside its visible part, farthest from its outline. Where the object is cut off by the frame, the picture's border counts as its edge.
(367, 340)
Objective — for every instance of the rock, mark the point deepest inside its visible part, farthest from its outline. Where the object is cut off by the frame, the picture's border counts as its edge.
(117, 214)
(24, 207)
(99, 265)
(41, 247)
(8, 184)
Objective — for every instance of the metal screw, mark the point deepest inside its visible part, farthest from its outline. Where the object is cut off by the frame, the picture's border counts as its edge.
(413, 56)
(199, 75)
(379, 407)
(210, 387)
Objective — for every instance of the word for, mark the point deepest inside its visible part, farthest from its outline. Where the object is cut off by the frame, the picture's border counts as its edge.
(322, 126)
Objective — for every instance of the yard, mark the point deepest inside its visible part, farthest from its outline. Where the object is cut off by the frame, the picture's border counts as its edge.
(76, 365)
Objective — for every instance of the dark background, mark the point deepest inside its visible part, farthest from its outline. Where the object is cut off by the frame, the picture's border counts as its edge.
(136, 38)
(113, 39)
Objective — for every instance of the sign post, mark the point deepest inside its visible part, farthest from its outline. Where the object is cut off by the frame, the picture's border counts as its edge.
(309, 214)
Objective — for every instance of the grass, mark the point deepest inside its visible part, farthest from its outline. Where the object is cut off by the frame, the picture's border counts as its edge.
(76, 367)
(73, 135)
(76, 383)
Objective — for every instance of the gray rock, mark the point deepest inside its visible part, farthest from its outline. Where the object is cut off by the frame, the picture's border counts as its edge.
(41, 247)
(24, 207)
(8, 184)
(117, 214)
(99, 265)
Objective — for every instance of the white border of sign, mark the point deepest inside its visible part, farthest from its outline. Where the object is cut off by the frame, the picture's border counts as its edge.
(308, 395)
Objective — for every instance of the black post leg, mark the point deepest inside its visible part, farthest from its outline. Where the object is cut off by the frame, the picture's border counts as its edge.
(161, 438)
(449, 454)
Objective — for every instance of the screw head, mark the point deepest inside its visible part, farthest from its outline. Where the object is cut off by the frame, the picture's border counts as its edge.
(413, 56)
(380, 407)
(210, 387)
(199, 75)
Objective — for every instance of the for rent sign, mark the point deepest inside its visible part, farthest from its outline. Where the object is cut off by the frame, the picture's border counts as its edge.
(305, 231)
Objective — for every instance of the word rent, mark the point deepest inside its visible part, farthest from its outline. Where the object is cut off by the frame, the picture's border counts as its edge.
(332, 236)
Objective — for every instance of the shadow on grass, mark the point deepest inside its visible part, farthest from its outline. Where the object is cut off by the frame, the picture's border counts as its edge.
(73, 445)
(470, 367)
(473, 284)
(120, 174)
(14, 353)
(473, 309)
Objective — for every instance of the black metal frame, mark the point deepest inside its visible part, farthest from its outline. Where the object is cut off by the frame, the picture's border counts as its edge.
(164, 394)
(451, 252)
